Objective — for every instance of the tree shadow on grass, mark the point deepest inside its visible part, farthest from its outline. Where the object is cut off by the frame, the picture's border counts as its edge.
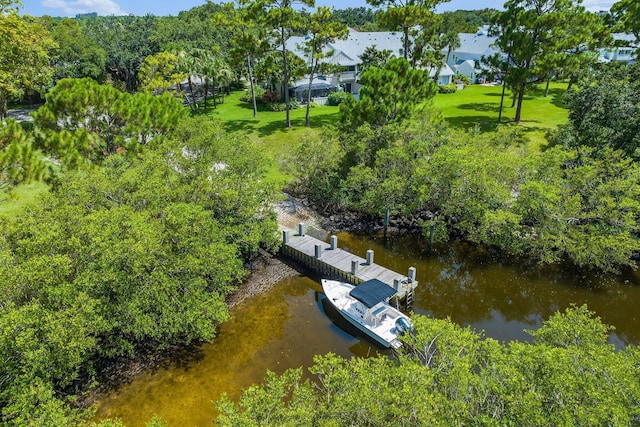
(267, 129)
(484, 122)
(480, 106)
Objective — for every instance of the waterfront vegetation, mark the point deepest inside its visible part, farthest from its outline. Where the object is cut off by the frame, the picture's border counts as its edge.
(153, 210)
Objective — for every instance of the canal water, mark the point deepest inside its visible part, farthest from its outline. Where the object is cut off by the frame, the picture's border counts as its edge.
(290, 324)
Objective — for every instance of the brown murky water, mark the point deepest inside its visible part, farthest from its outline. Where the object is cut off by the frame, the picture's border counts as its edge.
(287, 326)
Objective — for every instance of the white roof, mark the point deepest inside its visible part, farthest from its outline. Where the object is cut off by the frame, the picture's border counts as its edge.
(469, 64)
(347, 52)
(478, 43)
(444, 71)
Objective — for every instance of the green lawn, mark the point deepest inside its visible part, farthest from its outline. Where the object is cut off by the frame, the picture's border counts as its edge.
(479, 105)
(13, 202)
(269, 130)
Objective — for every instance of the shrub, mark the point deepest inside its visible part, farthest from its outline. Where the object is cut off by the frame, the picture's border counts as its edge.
(337, 98)
(246, 97)
(276, 106)
(461, 78)
(281, 106)
(450, 88)
(271, 97)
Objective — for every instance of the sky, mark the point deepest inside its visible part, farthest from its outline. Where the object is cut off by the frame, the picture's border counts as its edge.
(173, 7)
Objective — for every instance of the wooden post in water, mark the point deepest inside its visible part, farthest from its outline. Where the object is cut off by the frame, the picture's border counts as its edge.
(386, 222)
(431, 229)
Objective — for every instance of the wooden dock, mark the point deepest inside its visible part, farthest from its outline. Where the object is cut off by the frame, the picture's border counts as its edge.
(328, 259)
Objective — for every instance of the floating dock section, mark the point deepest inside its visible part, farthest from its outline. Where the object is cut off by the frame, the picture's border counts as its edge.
(328, 259)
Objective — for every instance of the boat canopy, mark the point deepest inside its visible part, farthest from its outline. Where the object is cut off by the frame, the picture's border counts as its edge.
(372, 292)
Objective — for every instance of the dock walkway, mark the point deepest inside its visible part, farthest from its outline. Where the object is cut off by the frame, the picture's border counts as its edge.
(327, 258)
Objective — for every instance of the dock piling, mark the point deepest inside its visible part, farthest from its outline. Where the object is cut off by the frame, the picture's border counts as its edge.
(412, 274)
(354, 266)
(370, 257)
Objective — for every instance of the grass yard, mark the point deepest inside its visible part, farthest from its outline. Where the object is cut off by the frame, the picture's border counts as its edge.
(269, 130)
(480, 105)
(12, 202)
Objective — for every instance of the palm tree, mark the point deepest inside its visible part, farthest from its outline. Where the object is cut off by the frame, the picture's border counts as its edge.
(452, 42)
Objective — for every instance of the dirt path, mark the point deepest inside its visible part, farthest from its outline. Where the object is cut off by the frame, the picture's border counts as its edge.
(268, 269)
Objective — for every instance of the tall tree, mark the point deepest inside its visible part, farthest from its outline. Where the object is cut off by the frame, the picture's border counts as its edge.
(321, 31)
(25, 64)
(84, 122)
(282, 16)
(158, 73)
(582, 42)
(389, 95)
(451, 41)
(250, 41)
(77, 54)
(530, 32)
(405, 15)
(127, 42)
(604, 112)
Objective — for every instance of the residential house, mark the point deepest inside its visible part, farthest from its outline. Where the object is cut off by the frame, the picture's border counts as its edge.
(346, 53)
(467, 58)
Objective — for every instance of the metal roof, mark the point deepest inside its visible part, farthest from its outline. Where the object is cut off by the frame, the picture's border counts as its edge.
(372, 292)
(347, 52)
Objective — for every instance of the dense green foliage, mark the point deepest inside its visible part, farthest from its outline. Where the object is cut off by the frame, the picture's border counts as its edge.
(578, 204)
(450, 88)
(153, 215)
(25, 51)
(449, 375)
(337, 98)
(627, 14)
(360, 18)
(467, 21)
(140, 251)
(604, 112)
(77, 55)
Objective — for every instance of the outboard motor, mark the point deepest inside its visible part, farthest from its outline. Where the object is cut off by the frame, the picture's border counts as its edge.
(403, 325)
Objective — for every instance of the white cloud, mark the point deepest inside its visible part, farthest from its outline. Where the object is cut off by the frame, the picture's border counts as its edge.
(101, 7)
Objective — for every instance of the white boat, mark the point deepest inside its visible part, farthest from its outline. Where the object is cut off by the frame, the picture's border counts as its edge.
(367, 307)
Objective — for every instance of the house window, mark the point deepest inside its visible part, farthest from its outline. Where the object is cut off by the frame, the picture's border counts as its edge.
(351, 68)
